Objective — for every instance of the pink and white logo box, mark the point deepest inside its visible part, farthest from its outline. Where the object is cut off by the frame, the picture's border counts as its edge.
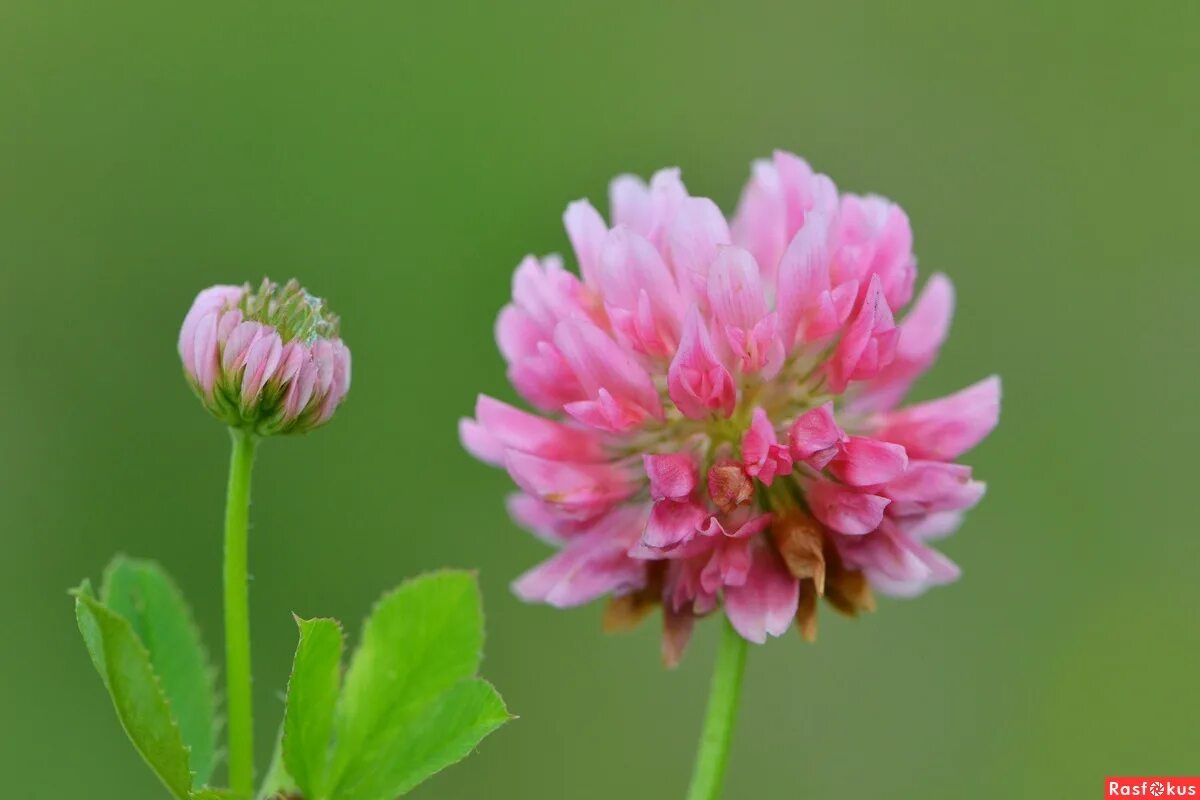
(1151, 786)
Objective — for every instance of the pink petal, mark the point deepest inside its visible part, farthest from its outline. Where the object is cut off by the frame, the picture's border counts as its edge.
(517, 333)
(944, 429)
(525, 328)
(933, 486)
(341, 379)
(762, 455)
(682, 588)
(227, 322)
(815, 437)
(931, 527)
(622, 392)
(740, 309)
(629, 198)
(896, 564)
(634, 274)
(847, 511)
(874, 239)
(301, 391)
(546, 291)
(324, 356)
(586, 230)
(261, 360)
(921, 335)
(213, 300)
(529, 433)
(667, 196)
(735, 291)
(692, 242)
(235, 349)
(568, 484)
(868, 344)
(672, 523)
(589, 567)
(672, 475)
(729, 565)
(697, 381)
(545, 379)
(759, 224)
(290, 361)
(479, 443)
(743, 525)
(204, 352)
(867, 462)
(647, 210)
(767, 601)
(555, 524)
(803, 295)
(804, 192)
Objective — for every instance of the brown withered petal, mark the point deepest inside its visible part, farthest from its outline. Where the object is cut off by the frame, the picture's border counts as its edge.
(806, 613)
(800, 540)
(728, 484)
(849, 592)
(677, 630)
(626, 612)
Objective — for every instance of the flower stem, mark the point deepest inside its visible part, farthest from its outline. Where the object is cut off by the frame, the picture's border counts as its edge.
(237, 615)
(723, 696)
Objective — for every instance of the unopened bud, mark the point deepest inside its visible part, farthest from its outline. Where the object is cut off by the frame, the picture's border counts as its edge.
(268, 361)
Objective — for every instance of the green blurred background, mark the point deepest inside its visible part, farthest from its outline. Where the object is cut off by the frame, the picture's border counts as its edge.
(400, 158)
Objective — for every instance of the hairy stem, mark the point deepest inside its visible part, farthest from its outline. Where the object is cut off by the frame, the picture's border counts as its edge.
(237, 615)
(709, 773)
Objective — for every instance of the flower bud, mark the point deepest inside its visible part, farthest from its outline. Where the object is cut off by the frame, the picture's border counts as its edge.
(268, 361)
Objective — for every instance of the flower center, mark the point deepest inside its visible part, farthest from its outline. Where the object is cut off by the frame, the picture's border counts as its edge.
(295, 314)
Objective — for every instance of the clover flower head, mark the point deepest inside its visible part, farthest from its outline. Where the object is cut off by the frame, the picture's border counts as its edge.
(720, 425)
(266, 360)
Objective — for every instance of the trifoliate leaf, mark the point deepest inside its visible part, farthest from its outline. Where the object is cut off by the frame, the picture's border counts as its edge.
(124, 666)
(410, 705)
(143, 593)
(426, 740)
(311, 700)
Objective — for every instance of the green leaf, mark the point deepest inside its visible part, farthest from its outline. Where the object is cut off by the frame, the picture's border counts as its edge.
(217, 794)
(427, 740)
(143, 593)
(409, 706)
(124, 666)
(311, 700)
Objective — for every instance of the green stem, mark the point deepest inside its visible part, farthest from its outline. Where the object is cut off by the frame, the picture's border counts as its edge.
(709, 773)
(237, 615)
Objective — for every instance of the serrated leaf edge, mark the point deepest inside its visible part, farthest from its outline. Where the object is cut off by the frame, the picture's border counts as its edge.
(283, 739)
(382, 600)
(210, 669)
(83, 593)
(473, 574)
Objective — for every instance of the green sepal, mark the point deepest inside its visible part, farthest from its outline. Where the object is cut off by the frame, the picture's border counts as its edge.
(143, 593)
(125, 667)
